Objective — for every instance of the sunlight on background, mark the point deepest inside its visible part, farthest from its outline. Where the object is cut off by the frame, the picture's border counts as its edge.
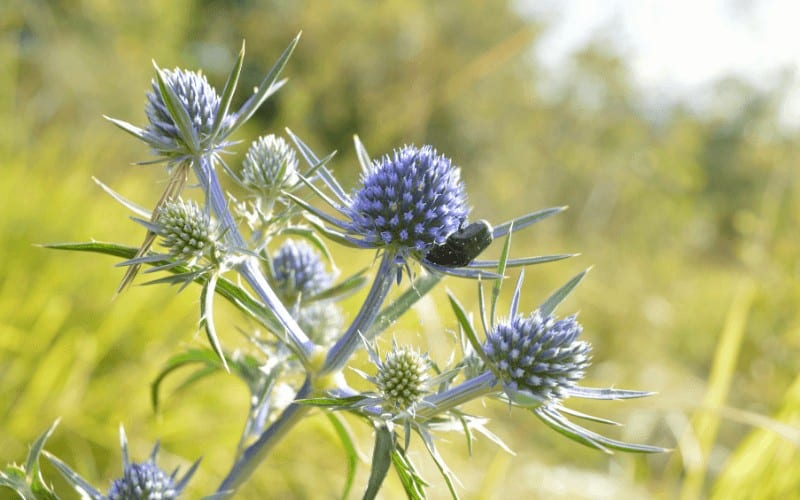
(676, 49)
(671, 129)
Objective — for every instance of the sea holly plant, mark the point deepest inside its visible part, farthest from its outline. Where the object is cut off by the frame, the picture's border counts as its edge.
(264, 245)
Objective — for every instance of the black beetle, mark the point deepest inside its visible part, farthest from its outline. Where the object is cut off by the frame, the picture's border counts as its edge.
(462, 246)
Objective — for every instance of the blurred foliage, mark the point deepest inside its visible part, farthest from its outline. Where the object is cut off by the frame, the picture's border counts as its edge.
(676, 208)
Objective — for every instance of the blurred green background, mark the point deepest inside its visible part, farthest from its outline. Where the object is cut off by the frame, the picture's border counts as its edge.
(690, 219)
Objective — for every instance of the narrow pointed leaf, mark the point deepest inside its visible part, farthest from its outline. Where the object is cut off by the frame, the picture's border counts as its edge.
(32, 461)
(207, 318)
(525, 221)
(266, 88)
(227, 95)
(74, 479)
(323, 172)
(133, 207)
(349, 445)
(381, 460)
(447, 474)
(525, 261)
(363, 156)
(190, 357)
(606, 393)
(549, 305)
(501, 269)
(177, 112)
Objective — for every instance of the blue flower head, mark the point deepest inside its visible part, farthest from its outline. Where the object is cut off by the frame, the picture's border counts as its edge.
(197, 97)
(409, 201)
(146, 481)
(539, 355)
(141, 481)
(298, 270)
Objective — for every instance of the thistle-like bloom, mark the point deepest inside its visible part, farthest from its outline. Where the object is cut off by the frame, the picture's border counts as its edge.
(402, 378)
(197, 97)
(146, 480)
(139, 481)
(410, 201)
(298, 271)
(535, 362)
(269, 166)
(143, 480)
(538, 355)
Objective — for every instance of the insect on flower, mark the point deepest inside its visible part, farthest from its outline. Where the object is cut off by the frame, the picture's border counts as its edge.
(462, 246)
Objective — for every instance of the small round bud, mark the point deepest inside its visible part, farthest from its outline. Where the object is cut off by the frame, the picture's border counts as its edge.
(186, 231)
(269, 165)
(402, 378)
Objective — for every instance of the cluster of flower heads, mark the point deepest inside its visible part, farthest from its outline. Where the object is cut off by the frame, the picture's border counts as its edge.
(411, 204)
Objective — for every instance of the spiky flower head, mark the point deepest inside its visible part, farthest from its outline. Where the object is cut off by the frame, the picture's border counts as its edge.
(269, 165)
(187, 231)
(197, 97)
(298, 270)
(402, 377)
(409, 201)
(539, 355)
(143, 481)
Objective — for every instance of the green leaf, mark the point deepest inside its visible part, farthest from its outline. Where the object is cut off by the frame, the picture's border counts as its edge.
(501, 269)
(331, 402)
(236, 295)
(412, 482)
(323, 172)
(341, 290)
(349, 445)
(227, 95)
(27, 480)
(469, 330)
(381, 459)
(74, 479)
(207, 318)
(447, 474)
(363, 156)
(266, 88)
(192, 356)
(177, 112)
(524, 261)
(549, 305)
(558, 422)
(525, 221)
